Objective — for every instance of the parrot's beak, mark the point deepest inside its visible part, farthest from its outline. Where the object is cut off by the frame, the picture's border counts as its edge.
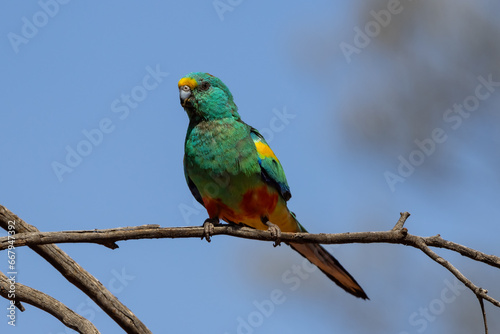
(185, 94)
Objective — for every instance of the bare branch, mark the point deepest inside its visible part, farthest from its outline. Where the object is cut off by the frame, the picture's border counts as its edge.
(78, 276)
(480, 292)
(48, 304)
(113, 235)
(437, 241)
(481, 303)
(402, 220)
(397, 235)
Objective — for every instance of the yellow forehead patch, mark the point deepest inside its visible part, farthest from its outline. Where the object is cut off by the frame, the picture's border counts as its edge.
(264, 150)
(190, 82)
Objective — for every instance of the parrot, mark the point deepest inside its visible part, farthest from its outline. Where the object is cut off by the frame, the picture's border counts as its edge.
(231, 170)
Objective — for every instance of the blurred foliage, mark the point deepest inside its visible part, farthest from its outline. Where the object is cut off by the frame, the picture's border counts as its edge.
(397, 88)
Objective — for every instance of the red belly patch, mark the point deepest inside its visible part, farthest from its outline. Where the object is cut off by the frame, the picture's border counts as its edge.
(259, 202)
(256, 203)
(217, 209)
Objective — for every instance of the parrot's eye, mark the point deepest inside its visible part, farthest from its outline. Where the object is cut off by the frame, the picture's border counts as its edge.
(205, 85)
(186, 88)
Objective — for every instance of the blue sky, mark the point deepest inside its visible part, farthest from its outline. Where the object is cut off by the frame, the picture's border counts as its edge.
(109, 71)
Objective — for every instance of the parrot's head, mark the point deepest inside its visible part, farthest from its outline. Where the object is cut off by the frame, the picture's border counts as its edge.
(205, 97)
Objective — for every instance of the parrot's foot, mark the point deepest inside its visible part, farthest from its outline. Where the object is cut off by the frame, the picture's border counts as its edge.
(208, 226)
(275, 232)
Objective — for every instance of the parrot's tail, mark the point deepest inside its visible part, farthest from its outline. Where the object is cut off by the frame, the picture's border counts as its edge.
(329, 265)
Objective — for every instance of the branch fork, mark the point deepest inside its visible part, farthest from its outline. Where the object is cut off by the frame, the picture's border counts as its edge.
(43, 244)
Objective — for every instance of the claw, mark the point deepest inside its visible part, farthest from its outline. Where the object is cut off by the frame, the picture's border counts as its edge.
(208, 227)
(275, 232)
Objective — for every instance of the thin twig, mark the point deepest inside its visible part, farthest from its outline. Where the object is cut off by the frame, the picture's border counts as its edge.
(47, 304)
(481, 303)
(477, 290)
(402, 219)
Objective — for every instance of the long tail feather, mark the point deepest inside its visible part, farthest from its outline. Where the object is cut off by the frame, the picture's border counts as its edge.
(332, 268)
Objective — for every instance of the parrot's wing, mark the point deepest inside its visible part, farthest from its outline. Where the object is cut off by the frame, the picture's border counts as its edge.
(272, 171)
(192, 187)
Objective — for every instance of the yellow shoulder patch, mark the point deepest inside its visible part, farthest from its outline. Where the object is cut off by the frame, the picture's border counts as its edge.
(190, 82)
(265, 150)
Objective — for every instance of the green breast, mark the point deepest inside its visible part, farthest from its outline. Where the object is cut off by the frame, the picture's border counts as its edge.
(221, 158)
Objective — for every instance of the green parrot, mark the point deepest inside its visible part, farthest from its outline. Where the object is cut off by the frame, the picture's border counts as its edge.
(234, 174)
